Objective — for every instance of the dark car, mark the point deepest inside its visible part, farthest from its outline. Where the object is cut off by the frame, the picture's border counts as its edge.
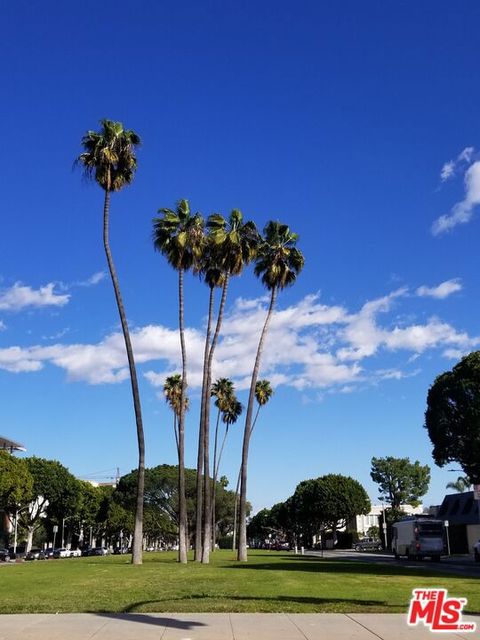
(49, 552)
(35, 554)
(4, 555)
(368, 544)
(118, 551)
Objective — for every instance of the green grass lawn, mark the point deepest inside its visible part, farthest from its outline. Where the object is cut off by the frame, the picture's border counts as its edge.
(270, 581)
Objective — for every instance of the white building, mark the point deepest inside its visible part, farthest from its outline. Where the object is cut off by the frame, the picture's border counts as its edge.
(363, 523)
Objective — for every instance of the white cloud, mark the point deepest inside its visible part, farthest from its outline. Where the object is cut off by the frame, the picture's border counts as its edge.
(443, 290)
(447, 171)
(92, 281)
(20, 296)
(450, 167)
(462, 212)
(311, 346)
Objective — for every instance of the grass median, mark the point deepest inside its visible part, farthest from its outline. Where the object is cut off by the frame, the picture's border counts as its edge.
(269, 582)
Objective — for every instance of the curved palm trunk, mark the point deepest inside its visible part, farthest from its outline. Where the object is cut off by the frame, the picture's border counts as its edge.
(242, 542)
(138, 530)
(235, 508)
(199, 504)
(207, 490)
(214, 491)
(182, 503)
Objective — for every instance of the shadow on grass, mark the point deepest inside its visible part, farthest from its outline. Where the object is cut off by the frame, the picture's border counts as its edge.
(310, 564)
(150, 618)
(310, 600)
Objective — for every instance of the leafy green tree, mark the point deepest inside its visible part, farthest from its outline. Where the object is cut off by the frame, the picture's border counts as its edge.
(278, 264)
(55, 492)
(452, 417)
(400, 481)
(109, 159)
(180, 237)
(161, 500)
(16, 484)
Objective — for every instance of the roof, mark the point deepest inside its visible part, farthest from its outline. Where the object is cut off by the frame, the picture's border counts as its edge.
(460, 508)
(10, 445)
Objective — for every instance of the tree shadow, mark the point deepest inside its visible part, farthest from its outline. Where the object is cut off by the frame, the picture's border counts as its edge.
(151, 618)
(311, 564)
(309, 600)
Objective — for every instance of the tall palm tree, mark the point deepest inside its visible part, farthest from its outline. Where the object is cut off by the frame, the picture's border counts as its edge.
(214, 276)
(263, 393)
(231, 409)
(109, 159)
(278, 264)
(180, 237)
(235, 245)
(172, 390)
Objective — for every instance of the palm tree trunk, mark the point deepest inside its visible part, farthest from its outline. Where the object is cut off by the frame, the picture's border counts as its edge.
(175, 428)
(205, 390)
(207, 504)
(138, 530)
(234, 540)
(242, 542)
(214, 480)
(182, 503)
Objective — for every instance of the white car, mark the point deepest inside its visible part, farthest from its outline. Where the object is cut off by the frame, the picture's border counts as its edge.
(476, 551)
(61, 553)
(75, 553)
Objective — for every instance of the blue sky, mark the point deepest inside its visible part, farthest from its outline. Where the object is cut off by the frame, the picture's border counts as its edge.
(356, 123)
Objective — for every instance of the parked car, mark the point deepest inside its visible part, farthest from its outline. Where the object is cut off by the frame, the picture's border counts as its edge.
(48, 552)
(368, 544)
(35, 554)
(476, 551)
(98, 551)
(75, 553)
(4, 555)
(61, 553)
(120, 551)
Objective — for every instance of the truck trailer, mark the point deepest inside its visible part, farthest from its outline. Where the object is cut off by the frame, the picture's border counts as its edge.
(417, 537)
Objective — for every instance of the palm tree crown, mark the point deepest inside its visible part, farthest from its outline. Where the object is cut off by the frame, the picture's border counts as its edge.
(232, 411)
(109, 156)
(278, 261)
(263, 392)
(172, 390)
(180, 236)
(234, 243)
(223, 390)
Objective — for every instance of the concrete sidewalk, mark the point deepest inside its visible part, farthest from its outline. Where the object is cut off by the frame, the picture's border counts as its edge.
(217, 626)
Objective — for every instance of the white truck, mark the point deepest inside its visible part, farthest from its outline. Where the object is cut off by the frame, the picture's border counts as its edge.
(418, 537)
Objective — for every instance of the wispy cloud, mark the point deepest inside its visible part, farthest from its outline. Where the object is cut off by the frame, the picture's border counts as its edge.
(462, 211)
(449, 168)
(92, 281)
(310, 346)
(21, 296)
(441, 291)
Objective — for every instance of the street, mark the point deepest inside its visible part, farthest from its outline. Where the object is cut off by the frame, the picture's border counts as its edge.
(456, 565)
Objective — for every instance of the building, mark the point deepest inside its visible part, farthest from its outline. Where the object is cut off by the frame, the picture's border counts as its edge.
(10, 445)
(462, 513)
(373, 519)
